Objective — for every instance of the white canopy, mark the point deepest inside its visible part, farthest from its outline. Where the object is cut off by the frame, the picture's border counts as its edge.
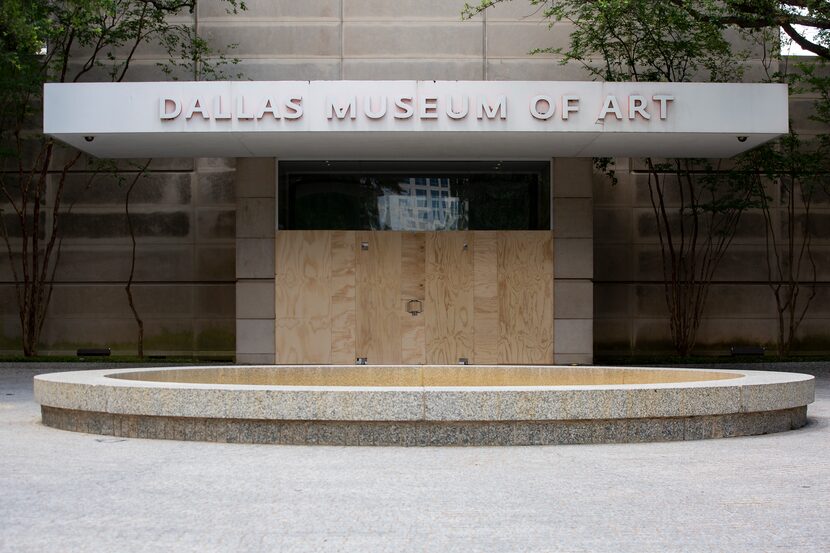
(414, 119)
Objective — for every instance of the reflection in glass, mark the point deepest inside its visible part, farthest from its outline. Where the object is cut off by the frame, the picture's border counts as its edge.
(414, 196)
(422, 204)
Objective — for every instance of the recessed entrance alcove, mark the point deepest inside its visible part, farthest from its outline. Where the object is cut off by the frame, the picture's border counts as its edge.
(414, 263)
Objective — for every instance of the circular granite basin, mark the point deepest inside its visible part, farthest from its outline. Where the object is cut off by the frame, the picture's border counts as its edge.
(424, 405)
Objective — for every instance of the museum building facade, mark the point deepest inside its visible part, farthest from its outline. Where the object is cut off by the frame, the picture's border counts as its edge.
(396, 186)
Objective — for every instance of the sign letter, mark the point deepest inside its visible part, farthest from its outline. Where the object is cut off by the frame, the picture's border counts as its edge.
(429, 107)
(637, 104)
(218, 103)
(534, 107)
(367, 107)
(163, 111)
(294, 107)
(269, 105)
(404, 103)
(568, 107)
(610, 106)
(240, 109)
(341, 111)
(197, 105)
(664, 100)
(461, 114)
(484, 108)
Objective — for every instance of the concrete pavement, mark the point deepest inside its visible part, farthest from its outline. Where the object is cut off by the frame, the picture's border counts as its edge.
(64, 491)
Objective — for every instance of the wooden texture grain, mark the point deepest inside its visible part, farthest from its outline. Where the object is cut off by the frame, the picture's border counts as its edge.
(377, 297)
(525, 288)
(486, 292)
(449, 297)
(343, 297)
(491, 302)
(412, 288)
(302, 294)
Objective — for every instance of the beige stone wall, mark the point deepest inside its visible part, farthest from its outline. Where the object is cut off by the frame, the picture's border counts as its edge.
(183, 214)
(630, 313)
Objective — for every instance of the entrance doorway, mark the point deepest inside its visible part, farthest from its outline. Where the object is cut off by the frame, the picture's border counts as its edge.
(445, 290)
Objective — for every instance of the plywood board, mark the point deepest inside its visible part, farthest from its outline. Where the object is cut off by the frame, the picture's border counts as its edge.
(449, 297)
(343, 297)
(413, 251)
(302, 294)
(491, 302)
(377, 297)
(303, 274)
(525, 287)
(486, 301)
(303, 341)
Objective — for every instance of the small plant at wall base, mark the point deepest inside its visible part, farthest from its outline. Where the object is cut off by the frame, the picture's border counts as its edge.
(65, 41)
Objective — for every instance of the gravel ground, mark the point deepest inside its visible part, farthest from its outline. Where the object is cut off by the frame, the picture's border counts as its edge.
(64, 491)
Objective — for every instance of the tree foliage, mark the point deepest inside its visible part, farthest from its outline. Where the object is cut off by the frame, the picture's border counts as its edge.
(805, 22)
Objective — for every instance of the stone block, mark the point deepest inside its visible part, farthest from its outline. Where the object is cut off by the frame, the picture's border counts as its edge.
(215, 335)
(208, 164)
(573, 336)
(272, 10)
(113, 225)
(612, 335)
(573, 258)
(516, 39)
(254, 336)
(283, 39)
(573, 299)
(141, 70)
(215, 223)
(173, 336)
(88, 263)
(214, 300)
(514, 11)
(648, 264)
(152, 188)
(612, 225)
(256, 177)
(255, 299)
(69, 333)
(412, 40)
(611, 300)
(215, 187)
(533, 69)
(110, 300)
(572, 178)
(613, 262)
(720, 333)
(650, 300)
(256, 218)
(277, 69)
(573, 217)
(215, 263)
(743, 300)
(801, 111)
(255, 258)
(616, 195)
(651, 335)
(254, 358)
(403, 10)
(428, 70)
